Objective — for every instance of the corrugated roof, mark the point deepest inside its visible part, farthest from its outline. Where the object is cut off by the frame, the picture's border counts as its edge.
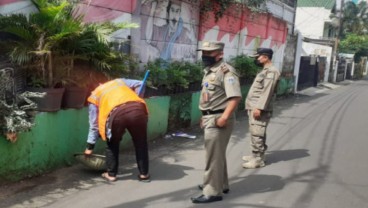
(328, 4)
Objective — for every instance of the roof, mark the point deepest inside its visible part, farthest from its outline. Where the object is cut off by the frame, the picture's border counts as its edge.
(347, 55)
(328, 4)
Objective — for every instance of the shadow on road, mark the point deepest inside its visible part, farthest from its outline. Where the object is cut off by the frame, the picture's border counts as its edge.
(285, 155)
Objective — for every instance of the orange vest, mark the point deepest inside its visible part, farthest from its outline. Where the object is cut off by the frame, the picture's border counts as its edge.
(108, 96)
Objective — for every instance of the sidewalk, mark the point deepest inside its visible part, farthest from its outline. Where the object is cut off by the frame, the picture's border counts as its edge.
(323, 87)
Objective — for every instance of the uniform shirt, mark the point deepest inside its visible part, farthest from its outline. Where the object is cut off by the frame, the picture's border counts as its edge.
(262, 90)
(220, 82)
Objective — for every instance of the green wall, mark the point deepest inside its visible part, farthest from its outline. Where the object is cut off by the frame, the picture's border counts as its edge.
(50, 144)
(285, 86)
(195, 112)
(57, 136)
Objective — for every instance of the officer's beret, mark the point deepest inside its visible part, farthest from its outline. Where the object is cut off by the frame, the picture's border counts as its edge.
(211, 46)
(263, 51)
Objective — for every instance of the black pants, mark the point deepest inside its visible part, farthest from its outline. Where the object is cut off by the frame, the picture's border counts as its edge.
(131, 116)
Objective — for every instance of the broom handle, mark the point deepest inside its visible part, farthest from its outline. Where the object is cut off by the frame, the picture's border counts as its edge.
(143, 83)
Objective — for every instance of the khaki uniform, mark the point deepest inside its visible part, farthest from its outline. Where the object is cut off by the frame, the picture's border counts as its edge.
(260, 96)
(219, 83)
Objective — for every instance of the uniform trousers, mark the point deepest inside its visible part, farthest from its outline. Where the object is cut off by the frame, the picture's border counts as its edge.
(131, 116)
(216, 139)
(258, 128)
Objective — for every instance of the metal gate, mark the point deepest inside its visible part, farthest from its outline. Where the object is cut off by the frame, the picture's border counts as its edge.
(349, 67)
(308, 72)
(340, 76)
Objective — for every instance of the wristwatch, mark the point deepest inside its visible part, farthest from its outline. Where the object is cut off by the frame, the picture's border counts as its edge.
(90, 146)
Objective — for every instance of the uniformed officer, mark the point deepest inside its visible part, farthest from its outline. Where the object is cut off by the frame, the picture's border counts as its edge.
(259, 106)
(219, 98)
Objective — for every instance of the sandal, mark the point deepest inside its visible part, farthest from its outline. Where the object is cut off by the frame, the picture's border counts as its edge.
(106, 176)
(144, 179)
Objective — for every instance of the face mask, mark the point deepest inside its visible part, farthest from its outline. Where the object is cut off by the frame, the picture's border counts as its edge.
(258, 63)
(208, 60)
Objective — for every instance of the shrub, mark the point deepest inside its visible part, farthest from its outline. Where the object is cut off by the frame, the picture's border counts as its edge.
(245, 66)
(173, 74)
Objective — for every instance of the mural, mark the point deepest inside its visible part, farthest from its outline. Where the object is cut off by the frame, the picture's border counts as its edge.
(16, 6)
(109, 10)
(168, 30)
(106, 10)
(244, 36)
(4, 2)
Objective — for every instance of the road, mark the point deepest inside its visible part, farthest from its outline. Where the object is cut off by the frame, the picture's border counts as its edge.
(317, 158)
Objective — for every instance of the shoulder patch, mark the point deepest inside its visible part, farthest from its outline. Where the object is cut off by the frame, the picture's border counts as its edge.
(224, 69)
(270, 75)
(230, 80)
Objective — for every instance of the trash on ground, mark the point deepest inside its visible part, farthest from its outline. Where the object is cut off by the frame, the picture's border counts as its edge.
(168, 136)
(185, 135)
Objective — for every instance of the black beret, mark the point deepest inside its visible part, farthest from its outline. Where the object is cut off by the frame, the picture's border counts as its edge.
(264, 51)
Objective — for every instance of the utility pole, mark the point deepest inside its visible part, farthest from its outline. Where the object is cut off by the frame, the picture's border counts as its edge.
(337, 39)
(341, 15)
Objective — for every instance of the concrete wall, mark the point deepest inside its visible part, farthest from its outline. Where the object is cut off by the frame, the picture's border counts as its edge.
(244, 36)
(174, 31)
(16, 6)
(289, 57)
(283, 11)
(298, 54)
(310, 21)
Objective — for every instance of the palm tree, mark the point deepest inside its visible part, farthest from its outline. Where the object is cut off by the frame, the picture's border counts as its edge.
(55, 34)
(355, 19)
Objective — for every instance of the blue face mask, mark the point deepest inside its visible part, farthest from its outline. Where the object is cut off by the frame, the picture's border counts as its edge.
(208, 60)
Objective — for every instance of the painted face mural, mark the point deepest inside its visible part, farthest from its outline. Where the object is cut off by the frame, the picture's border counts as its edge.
(172, 37)
(174, 15)
(162, 6)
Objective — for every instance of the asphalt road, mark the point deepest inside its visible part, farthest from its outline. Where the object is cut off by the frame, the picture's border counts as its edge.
(317, 158)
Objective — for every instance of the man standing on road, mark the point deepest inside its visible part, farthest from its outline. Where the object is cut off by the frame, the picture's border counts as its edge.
(220, 96)
(259, 105)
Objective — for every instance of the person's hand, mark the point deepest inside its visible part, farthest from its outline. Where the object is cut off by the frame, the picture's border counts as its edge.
(201, 123)
(256, 114)
(88, 152)
(221, 122)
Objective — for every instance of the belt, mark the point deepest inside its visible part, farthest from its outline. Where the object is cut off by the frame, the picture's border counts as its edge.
(209, 112)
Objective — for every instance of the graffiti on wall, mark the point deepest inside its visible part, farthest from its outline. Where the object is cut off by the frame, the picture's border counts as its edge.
(116, 11)
(243, 32)
(106, 10)
(168, 30)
